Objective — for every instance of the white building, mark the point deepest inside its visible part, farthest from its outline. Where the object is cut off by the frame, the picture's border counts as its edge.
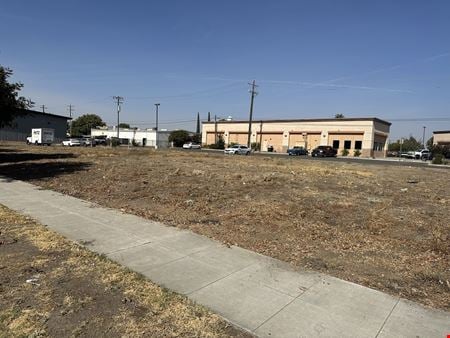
(141, 137)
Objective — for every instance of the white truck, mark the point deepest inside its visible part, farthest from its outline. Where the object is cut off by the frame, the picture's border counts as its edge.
(41, 136)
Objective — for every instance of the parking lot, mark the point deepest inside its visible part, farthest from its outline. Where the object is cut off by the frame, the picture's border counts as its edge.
(367, 221)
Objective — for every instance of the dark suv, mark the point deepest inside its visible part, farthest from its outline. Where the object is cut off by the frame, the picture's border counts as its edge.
(324, 151)
(297, 151)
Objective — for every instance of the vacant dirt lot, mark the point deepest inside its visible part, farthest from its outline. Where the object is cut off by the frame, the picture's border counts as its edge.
(385, 227)
(50, 287)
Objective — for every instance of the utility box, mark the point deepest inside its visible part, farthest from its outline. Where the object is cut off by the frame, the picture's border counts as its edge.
(41, 136)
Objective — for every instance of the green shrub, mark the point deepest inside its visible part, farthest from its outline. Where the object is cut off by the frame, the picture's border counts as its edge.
(438, 159)
(219, 145)
(344, 152)
(357, 153)
(113, 142)
(179, 137)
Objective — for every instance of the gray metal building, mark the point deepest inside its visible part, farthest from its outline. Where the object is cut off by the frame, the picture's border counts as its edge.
(21, 126)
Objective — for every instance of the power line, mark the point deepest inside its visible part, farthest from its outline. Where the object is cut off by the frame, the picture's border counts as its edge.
(194, 93)
(163, 121)
(424, 119)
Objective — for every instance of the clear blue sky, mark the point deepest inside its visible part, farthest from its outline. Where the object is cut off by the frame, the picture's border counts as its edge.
(389, 59)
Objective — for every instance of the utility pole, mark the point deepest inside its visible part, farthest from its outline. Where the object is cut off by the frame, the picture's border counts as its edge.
(209, 116)
(157, 113)
(119, 100)
(70, 114)
(253, 94)
(260, 135)
(43, 108)
(70, 109)
(423, 138)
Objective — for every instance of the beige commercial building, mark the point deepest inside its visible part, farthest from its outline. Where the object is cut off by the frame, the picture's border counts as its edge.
(441, 137)
(369, 136)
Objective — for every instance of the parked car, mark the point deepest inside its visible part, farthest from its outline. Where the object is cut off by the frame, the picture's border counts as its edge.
(422, 154)
(100, 140)
(87, 142)
(324, 151)
(297, 151)
(72, 142)
(237, 149)
(191, 145)
(409, 154)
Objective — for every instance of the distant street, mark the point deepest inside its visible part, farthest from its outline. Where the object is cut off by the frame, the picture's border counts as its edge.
(390, 161)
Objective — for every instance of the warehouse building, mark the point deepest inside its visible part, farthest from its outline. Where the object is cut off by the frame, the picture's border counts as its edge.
(21, 126)
(368, 136)
(140, 137)
(441, 137)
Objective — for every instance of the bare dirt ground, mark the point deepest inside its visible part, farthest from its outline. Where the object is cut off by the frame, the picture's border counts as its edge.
(51, 287)
(385, 227)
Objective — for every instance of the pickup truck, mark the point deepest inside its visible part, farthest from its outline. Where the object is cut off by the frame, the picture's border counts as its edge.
(324, 151)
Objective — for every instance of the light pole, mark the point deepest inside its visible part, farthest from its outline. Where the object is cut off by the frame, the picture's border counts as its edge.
(423, 138)
(216, 138)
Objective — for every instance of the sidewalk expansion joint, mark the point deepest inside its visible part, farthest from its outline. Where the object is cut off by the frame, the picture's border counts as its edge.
(387, 317)
(295, 298)
(130, 247)
(219, 279)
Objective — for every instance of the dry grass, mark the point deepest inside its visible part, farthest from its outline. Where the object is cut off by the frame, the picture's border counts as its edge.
(77, 292)
(385, 227)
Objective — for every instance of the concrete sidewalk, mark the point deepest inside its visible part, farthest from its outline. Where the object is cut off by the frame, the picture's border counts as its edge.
(257, 293)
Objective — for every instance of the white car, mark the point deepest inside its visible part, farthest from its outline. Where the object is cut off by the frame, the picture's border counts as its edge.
(422, 154)
(72, 142)
(191, 145)
(237, 149)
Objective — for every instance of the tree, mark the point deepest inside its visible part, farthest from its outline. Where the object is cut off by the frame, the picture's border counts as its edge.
(339, 116)
(430, 143)
(83, 124)
(220, 144)
(409, 144)
(10, 101)
(197, 138)
(124, 125)
(179, 137)
(197, 130)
